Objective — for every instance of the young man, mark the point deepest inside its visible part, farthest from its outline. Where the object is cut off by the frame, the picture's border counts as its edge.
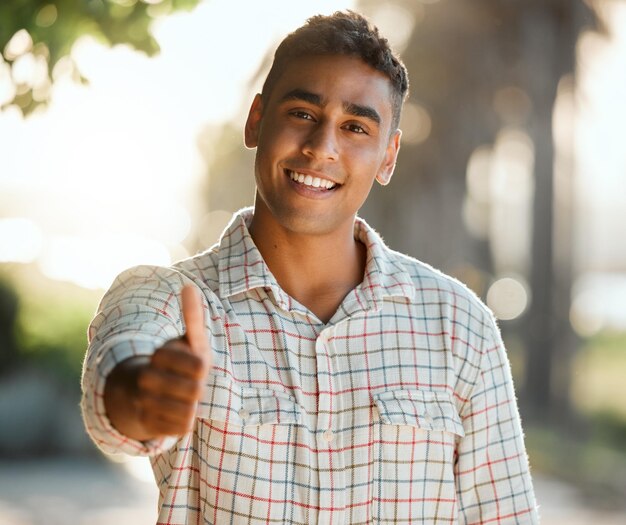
(300, 371)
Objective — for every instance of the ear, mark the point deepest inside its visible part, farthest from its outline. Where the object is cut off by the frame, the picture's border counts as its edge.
(389, 162)
(253, 122)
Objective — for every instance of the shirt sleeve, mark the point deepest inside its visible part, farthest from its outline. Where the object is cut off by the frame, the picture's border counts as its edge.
(138, 313)
(493, 481)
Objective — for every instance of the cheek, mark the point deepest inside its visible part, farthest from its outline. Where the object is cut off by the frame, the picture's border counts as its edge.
(275, 145)
(363, 162)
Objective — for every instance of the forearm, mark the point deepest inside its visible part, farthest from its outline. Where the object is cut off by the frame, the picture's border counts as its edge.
(131, 403)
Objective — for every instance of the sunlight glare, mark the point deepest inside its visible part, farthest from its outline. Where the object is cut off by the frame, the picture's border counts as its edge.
(7, 88)
(211, 226)
(511, 193)
(110, 171)
(498, 203)
(21, 240)
(94, 262)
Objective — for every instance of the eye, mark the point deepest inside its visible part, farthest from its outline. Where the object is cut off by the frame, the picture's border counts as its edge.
(355, 128)
(301, 115)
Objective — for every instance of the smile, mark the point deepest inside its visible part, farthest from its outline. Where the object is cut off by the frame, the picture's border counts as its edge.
(310, 181)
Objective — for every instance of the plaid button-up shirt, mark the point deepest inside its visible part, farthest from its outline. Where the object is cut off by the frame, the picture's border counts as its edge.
(400, 409)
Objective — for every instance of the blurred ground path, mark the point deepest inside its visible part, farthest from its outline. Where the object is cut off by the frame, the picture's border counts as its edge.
(73, 492)
(81, 492)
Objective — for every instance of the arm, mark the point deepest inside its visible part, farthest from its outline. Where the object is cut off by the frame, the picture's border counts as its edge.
(133, 395)
(149, 398)
(492, 474)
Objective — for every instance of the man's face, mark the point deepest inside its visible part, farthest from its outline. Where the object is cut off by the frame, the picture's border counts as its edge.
(322, 137)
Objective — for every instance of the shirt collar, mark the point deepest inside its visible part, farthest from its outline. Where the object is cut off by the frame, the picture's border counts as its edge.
(385, 275)
(242, 268)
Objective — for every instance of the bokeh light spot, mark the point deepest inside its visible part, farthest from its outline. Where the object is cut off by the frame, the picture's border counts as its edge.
(415, 124)
(20, 43)
(396, 22)
(46, 16)
(508, 298)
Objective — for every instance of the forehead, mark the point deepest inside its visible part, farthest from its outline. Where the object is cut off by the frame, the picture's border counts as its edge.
(337, 79)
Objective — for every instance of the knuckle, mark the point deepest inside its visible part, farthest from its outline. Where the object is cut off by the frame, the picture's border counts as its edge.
(146, 418)
(199, 366)
(196, 389)
(144, 378)
(168, 348)
(145, 404)
(162, 354)
(150, 380)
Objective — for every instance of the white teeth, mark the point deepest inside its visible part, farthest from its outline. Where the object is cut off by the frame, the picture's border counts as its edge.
(308, 180)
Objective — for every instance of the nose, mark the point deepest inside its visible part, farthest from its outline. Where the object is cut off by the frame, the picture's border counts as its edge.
(321, 143)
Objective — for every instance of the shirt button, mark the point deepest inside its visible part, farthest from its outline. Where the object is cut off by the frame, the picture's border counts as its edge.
(243, 414)
(328, 435)
(428, 419)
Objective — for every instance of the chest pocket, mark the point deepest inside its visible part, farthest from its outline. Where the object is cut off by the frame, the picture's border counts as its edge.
(226, 401)
(424, 409)
(418, 432)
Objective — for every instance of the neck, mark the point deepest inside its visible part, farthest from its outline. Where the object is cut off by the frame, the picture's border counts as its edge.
(317, 270)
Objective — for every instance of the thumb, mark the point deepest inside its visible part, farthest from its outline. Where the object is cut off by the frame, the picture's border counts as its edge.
(193, 315)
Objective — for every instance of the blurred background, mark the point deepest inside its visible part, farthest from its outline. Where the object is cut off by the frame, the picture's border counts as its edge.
(121, 143)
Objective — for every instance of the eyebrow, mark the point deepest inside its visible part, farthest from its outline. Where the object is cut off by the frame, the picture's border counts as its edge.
(351, 108)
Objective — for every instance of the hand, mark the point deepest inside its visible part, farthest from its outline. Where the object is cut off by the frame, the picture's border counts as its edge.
(152, 397)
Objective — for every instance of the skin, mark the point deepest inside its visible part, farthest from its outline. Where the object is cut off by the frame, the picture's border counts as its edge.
(152, 397)
(328, 117)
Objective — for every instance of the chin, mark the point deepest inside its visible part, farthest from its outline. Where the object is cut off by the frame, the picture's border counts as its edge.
(307, 223)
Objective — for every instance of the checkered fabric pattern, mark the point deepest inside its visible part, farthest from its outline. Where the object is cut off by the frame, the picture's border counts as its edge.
(400, 409)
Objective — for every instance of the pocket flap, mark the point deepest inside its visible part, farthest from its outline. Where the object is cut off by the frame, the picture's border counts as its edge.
(224, 400)
(263, 407)
(423, 409)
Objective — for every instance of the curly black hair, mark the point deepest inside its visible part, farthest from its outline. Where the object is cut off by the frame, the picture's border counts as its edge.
(342, 33)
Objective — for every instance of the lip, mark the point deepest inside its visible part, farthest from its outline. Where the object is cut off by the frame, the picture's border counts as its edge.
(313, 173)
(308, 191)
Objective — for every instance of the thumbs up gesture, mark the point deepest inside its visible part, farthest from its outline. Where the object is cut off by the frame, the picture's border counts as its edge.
(193, 316)
(156, 396)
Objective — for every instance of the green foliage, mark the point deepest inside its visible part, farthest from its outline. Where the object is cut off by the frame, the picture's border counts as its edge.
(54, 26)
(611, 344)
(50, 322)
(609, 429)
(599, 389)
(589, 448)
(53, 335)
(570, 454)
(599, 369)
(8, 312)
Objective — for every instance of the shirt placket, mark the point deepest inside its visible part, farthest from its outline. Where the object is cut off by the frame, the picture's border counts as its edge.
(328, 436)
